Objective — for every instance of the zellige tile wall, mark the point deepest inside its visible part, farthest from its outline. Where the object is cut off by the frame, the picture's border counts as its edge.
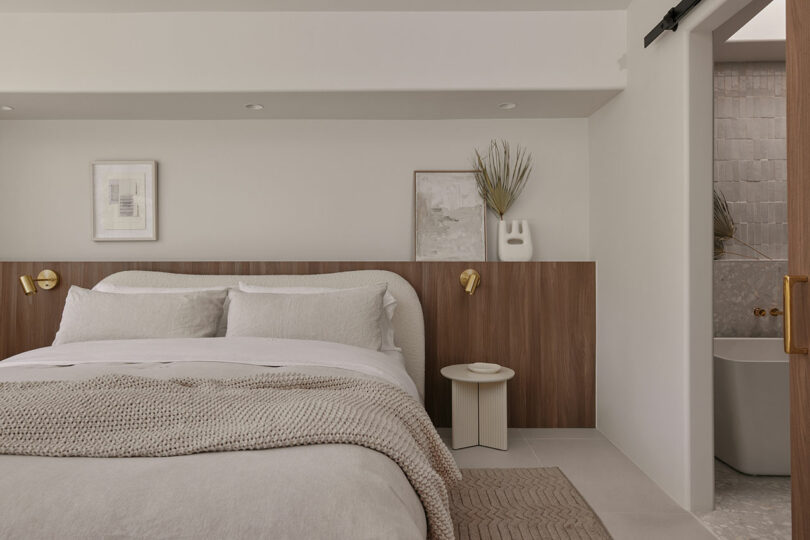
(750, 159)
(750, 168)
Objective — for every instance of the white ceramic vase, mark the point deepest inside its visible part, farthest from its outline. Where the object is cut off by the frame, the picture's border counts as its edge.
(515, 241)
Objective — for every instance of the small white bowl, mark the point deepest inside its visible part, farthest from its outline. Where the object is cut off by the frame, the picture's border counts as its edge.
(483, 367)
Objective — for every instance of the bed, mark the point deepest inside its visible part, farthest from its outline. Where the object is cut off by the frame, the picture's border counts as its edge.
(315, 489)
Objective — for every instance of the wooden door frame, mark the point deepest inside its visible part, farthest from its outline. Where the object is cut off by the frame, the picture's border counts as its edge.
(798, 140)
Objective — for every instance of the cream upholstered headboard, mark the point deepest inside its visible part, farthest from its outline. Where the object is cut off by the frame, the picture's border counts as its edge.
(409, 323)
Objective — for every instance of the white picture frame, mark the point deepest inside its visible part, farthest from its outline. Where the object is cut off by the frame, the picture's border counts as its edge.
(124, 200)
(450, 222)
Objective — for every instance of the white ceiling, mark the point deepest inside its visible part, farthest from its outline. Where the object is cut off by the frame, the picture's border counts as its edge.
(324, 105)
(131, 6)
(768, 25)
(755, 34)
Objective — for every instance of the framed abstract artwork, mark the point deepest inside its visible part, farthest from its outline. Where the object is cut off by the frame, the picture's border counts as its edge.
(124, 200)
(450, 222)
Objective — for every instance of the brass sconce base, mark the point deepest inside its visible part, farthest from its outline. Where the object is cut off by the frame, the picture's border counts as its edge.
(47, 279)
(470, 279)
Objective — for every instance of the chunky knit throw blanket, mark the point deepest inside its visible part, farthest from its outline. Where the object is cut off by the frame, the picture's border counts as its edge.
(128, 416)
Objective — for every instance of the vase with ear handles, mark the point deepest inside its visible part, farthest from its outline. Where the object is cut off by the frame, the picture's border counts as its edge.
(514, 240)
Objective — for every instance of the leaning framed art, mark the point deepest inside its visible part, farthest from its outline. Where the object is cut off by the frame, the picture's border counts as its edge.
(450, 221)
(124, 200)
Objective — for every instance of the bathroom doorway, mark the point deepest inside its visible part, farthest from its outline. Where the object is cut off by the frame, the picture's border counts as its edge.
(751, 370)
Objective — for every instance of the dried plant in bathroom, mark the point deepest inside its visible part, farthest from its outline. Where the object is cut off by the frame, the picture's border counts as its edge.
(501, 176)
(724, 229)
(723, 223)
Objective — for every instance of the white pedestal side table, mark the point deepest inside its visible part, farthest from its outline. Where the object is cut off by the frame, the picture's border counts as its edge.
(479, 407)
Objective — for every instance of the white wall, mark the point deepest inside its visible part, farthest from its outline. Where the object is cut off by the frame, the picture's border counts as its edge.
(276, 189)
(637, 238)
(289, 51)
(650, 233)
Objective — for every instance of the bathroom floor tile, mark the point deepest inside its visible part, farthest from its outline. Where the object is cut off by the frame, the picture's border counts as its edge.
(607, 479)
(749, 506)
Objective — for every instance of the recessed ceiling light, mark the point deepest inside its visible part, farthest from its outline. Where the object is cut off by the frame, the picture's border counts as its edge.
(506, 106)
(6, 108)
(254, 106)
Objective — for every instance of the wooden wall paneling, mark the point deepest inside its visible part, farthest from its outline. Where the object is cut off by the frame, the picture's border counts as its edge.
(461, 323)
(565, 340)
(537, 318)
(523, 337)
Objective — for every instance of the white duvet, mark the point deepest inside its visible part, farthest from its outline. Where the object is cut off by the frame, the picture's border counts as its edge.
(268, 352)
(331, 491)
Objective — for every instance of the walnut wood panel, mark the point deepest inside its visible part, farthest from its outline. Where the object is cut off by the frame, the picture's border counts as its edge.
(798, 160)
(537, 318)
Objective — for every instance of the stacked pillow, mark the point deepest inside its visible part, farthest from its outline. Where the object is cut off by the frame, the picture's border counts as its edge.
(93, 316)
(360, 316)
(123, 289)
(349, 316)
(389, 306)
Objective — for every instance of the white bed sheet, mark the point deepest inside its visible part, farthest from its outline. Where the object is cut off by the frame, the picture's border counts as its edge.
(388, 366)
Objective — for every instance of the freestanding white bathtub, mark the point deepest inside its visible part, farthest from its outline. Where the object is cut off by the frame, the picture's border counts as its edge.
(751, 405)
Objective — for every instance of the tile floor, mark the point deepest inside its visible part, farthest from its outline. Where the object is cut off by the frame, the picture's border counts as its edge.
(749, 506)
(631, 506)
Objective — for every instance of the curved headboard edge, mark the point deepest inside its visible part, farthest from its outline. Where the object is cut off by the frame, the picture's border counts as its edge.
(409, 323)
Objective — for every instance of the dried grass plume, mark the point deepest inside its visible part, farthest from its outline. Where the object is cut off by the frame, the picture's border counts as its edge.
(501, 176)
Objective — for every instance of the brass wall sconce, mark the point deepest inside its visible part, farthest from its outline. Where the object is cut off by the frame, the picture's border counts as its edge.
(47, 279)
(470, 279)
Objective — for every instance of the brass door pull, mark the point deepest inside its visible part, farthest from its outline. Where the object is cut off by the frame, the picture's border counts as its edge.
(787, 284)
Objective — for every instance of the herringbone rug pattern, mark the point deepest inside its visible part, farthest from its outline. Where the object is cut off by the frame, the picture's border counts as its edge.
(522, 504)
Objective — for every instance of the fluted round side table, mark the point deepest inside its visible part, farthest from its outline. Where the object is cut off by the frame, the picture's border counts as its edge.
(479, 407)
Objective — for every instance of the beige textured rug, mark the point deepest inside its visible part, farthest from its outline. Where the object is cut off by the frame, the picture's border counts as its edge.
(521, 504)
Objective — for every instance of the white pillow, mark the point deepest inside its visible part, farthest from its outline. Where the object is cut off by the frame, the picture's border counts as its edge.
(348, 316)
(124, 289)
(93, 316)
(386, 321)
